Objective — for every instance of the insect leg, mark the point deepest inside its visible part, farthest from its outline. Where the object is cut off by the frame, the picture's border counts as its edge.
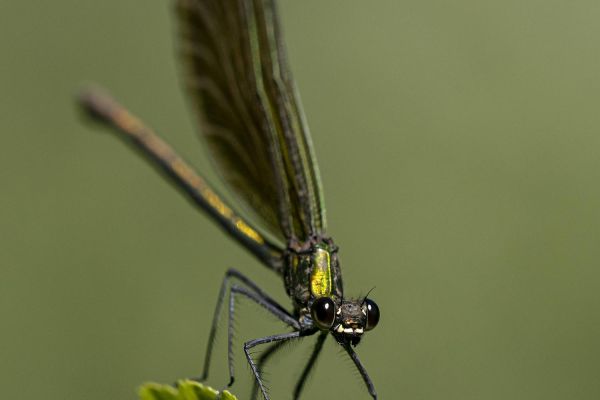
(230, 275)
(361, 369)
(283, 316)
(262, 360)
(309, 365)
(268, 339)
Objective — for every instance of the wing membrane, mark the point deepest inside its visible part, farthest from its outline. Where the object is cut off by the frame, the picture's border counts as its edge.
(250, 113)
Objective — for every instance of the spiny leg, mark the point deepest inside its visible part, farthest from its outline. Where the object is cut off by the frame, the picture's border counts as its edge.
(229, 275)
(310, 364)
(274, 309)
(264, 357)
(362, 370)
(269, 339)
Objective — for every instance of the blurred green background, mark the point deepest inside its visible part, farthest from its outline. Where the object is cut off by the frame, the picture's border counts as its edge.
(459, 144)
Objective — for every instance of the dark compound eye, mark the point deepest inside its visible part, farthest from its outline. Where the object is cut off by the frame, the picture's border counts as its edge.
(323, 312)
(372, 314)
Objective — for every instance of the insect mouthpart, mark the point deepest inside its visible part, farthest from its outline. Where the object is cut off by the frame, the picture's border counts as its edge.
(350, 322)
(341, 328)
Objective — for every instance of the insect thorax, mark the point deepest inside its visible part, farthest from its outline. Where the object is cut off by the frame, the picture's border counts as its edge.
(312, 270)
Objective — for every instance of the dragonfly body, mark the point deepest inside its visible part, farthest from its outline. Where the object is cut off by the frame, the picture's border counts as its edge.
(251, 118)
(312, 271)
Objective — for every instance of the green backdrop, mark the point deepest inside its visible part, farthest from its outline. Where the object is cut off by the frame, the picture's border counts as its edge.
(459, 143)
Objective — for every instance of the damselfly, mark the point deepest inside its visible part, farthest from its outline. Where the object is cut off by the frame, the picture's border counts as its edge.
(252, 119)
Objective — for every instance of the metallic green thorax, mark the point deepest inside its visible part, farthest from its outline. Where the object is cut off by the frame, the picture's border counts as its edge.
(311, 271)
(320, 276)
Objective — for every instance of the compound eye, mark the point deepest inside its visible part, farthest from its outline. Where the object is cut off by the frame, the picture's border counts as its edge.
(323, 312)
(372, 314)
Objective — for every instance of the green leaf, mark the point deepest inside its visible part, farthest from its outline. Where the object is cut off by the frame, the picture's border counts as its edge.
(185, 390)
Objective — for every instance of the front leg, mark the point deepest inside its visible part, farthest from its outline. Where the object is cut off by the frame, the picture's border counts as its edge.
(267, 304)
(269, 339)
(361, 369)
(262, 361)
(251, 287)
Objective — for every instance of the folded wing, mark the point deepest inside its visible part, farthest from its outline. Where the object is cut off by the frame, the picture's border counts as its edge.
(250, 113)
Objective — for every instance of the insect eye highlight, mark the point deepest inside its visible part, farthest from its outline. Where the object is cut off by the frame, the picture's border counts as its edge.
(372, 314)
(323, 312)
